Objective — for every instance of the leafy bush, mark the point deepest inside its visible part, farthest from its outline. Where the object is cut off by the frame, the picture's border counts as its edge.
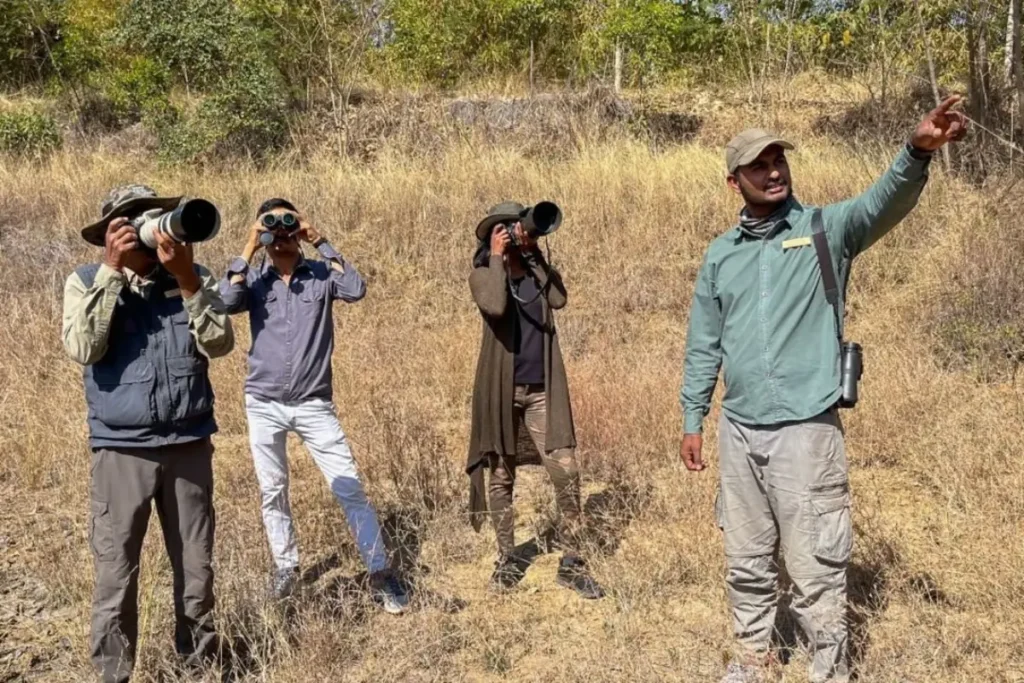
(28, 133)
(142, 87)
(247, 114)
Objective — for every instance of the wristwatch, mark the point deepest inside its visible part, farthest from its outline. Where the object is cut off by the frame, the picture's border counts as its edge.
(238, 266)
(918, 153)
(318, 241)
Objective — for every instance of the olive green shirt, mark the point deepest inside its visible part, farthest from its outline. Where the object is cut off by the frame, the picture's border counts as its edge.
(89, 310)
(759, 311)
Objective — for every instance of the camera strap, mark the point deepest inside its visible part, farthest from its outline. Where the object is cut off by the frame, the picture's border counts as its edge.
(828, 271)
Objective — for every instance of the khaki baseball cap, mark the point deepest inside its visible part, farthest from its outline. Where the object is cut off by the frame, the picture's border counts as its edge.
(746, 147)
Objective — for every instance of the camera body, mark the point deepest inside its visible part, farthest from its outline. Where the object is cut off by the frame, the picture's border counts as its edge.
(194, 220)
(537, 221)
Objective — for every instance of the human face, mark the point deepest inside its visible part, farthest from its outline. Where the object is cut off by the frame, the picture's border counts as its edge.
(285, 244)
(764, 183)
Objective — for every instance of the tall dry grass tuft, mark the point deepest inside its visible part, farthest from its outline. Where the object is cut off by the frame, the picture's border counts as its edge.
(937, 583)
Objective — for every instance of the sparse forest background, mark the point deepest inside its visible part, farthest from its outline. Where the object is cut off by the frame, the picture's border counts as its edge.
(209, 78)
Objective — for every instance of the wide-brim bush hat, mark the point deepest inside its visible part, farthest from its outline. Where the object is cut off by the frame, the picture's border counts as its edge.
(126, 200)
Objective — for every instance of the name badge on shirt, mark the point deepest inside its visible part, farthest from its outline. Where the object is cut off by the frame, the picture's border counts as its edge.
(172, 294)
(796, 242)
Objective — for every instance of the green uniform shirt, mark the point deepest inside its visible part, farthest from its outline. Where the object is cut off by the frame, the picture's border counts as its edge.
(759, 310)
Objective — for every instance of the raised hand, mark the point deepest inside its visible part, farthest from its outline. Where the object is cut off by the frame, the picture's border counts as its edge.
(940, 126)
(177, 260)
(120, 240)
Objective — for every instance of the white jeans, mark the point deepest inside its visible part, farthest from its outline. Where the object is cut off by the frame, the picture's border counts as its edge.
(317, 425)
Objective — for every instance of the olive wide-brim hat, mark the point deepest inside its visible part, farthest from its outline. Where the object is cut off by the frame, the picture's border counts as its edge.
(127, 200)
(501, 213)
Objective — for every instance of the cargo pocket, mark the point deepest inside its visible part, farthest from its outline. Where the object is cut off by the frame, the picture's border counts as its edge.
(124, 394)
(101, 532)
(833, 532)
(192, 386)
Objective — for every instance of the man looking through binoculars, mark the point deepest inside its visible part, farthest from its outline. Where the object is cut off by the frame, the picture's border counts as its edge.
(290, 304)
(521, 382)
(144, 324)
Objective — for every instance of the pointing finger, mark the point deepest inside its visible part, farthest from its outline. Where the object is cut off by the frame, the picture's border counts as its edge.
(946, 104)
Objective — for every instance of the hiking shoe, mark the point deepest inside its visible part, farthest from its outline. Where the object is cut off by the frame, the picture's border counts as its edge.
(283, 582)
(572, 573)
(507, 573)
(743, 673)
(388, 592)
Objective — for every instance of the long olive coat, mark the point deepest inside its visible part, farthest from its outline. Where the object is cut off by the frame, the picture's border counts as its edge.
(493, 429)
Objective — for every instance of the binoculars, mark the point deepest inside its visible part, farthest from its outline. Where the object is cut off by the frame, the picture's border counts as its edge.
(194, 220)
(287, 222)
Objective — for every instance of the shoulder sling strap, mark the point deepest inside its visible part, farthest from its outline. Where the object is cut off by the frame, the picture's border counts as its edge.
(828, 271)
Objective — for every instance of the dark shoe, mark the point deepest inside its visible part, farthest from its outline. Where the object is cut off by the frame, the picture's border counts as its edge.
(388, 592)
(507, 573)
(283, 582)
(572, 573)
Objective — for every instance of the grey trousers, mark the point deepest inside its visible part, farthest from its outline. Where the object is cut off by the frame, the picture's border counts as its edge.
(530, 408)
(125, 484)
(785, 492)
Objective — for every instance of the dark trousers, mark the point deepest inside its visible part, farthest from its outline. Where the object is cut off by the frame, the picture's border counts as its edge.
(125, 484)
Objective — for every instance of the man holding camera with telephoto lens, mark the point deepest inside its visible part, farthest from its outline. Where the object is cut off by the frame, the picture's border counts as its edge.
(145, 323)
(521, 383)
(767, 312)
(290, 304)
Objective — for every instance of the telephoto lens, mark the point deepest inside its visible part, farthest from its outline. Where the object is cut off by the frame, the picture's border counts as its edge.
(852, 369)
(194, 220)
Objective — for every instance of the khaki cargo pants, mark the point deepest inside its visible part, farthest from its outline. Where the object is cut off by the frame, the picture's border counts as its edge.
(125, 484)
(785, 488)
(530, 405)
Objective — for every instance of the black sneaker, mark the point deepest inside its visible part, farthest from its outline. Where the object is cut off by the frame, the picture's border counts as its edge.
(507, 573)
(283, 582)
(388, 592)
(572, 573)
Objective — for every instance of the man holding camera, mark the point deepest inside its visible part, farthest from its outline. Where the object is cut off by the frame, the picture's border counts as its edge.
(767, 312)
(144, 324)
(521, 386)
(290, 304)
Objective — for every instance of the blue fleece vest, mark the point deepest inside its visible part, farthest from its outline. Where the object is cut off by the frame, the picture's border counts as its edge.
(151, 388)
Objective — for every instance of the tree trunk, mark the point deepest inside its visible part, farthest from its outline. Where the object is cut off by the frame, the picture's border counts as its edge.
(1012, 36)
(531, 67)
(618, 67)
(934, 79)
(1015, 56)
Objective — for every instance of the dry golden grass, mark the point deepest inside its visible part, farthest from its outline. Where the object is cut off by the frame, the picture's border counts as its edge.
(938, 572)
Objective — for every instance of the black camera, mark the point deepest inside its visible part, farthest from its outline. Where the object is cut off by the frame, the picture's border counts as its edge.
(538, 221)
(287, 223)
(852, 368)
(194, 220)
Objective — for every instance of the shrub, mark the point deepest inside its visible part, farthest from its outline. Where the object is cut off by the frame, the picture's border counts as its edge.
(247, 114)
(28, 133)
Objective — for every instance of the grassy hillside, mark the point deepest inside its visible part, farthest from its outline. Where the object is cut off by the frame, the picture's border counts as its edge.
(937, 582)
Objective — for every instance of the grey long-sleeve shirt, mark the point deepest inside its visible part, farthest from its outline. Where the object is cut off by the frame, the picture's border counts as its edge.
(292, 324)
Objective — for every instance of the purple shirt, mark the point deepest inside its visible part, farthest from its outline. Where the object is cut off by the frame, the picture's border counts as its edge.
(292, 325)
